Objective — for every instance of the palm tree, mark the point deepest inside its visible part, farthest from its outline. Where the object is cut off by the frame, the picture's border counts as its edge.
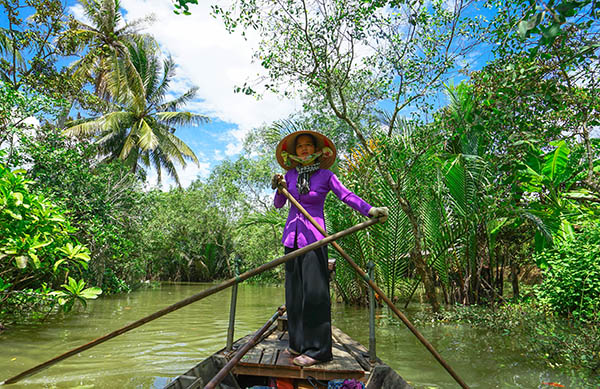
(10, 54)
(140, 130)
(107, 38)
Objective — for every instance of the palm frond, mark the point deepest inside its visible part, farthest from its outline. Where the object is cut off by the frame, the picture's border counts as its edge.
(159, 160)
(130, 142)
(542, 227)
(179, 102)
(7, 46)
(132, 28)
(181, 118)
(147, 139)
(160, 86)
(84, 127)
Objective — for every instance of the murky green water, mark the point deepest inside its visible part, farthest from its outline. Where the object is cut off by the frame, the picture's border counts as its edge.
(151, 355)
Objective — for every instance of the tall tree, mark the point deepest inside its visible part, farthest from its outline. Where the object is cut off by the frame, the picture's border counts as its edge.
(357, 56)
(106, 38)
(141, 128)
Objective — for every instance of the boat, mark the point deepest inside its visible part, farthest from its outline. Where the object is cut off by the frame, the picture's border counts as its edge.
(266, 363)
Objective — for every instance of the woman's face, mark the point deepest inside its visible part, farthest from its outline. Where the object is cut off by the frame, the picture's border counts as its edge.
(304, 146)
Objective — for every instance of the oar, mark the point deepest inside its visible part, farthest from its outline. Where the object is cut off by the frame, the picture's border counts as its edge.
(191, 299)
(389, 302)
(212, 384)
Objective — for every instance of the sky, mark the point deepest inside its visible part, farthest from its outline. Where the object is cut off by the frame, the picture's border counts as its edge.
(208, 57)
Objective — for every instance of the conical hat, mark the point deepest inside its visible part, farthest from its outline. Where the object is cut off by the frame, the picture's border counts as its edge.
(288, 144)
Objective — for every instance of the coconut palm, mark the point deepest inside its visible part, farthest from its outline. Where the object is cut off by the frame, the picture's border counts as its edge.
(7, 50)
(106, 37)
(140, 130)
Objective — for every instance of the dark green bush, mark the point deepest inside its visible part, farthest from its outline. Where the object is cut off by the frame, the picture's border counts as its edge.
(571, 284)
(104, 202)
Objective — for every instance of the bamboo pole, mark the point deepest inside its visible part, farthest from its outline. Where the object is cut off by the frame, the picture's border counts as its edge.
(232, 306)
(389, 302)
(242, 351)
(191, 299)
(372, 343)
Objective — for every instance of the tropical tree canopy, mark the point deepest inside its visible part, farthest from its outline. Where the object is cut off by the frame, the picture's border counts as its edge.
(141, 128)
(106, 38)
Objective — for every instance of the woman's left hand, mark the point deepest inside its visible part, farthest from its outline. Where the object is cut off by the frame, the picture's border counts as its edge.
(276, 181)
(380, 212)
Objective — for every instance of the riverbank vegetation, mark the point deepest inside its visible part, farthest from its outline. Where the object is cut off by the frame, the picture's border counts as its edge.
(490, 168)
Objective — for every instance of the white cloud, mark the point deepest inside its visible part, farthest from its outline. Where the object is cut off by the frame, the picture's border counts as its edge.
(79, 13)
(187, 175)
(215, 61)
(219, 155)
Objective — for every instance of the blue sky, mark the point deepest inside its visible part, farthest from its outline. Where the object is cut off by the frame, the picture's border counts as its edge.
(216, 62)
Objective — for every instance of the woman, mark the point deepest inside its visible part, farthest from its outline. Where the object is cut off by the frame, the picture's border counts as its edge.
(307, 276)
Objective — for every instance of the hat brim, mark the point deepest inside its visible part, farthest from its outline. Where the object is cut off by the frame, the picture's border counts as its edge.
(289, 142)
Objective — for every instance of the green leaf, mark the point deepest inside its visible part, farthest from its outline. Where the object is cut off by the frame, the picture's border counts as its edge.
(18, 198)
(57, 263)
(523, 28)
(41, 244)
(556, 162)
(36, 259)
(91, 293)
(13, 215)
(21, 261)
(4, 285)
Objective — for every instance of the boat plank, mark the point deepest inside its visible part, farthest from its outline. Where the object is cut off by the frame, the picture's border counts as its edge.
(253, 356)
(270, 358)
(285, 358)
(268, 354)
(359, 352)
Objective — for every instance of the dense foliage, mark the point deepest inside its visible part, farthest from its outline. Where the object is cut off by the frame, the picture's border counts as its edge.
(571, 285)
(492, 182)
(38, 248)
(104, 200)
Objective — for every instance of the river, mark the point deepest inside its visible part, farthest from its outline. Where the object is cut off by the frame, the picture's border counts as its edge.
(151, 355)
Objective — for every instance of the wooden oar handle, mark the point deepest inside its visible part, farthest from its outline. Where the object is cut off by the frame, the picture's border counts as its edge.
(242, 351)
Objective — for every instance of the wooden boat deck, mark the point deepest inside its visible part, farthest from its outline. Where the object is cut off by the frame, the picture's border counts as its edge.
(270, 358)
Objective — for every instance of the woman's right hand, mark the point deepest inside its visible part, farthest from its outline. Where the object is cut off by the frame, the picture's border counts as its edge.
(276, 180)
(380, 212)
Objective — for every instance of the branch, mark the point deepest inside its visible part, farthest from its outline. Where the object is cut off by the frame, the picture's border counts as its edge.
(590, 199)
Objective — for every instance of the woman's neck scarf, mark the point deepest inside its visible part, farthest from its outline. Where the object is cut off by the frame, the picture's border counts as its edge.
(304, 173)
(289, 159)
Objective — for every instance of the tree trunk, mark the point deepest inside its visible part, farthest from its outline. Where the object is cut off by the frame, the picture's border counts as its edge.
(588, 151)
(514, 273)
(500, 277)
(417, 258)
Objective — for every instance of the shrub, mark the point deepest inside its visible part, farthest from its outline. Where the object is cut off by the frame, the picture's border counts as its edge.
(37, 247)
(571, 284)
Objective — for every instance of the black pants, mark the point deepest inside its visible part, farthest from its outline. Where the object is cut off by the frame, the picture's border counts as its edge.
(308, 303)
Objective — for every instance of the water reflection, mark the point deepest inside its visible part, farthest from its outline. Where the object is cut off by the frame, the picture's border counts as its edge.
(151, 355)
